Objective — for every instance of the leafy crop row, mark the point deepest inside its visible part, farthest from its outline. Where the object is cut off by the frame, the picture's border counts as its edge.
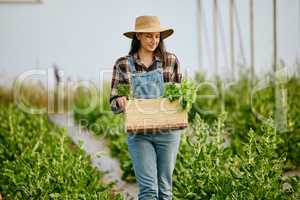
(39, 161)
(205, 169)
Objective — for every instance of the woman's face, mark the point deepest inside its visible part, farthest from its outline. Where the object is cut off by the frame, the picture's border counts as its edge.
(149, 41)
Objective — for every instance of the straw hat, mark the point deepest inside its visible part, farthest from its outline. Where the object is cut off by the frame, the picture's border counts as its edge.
(149, 24)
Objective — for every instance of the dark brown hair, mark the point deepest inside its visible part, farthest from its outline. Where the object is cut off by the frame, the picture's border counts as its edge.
(160, 49)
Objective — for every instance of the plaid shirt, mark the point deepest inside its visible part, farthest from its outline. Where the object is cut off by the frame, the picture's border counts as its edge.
(121, 73)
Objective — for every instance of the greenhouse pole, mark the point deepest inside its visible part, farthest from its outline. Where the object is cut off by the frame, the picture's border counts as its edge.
(280, 80)
(252, 44)
(199, 25)
(215, 23)
(274, 35)
(231, 28)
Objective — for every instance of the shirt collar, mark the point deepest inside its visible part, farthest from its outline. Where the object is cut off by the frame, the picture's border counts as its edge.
(137, 60)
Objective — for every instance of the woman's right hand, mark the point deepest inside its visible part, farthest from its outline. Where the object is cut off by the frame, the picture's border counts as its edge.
(122, 102)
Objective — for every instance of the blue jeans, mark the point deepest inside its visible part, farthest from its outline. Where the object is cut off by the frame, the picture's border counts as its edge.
(154, 157)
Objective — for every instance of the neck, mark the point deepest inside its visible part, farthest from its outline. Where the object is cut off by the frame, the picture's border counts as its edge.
(144, 54)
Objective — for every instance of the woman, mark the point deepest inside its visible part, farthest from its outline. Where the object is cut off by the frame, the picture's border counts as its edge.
(146, 68)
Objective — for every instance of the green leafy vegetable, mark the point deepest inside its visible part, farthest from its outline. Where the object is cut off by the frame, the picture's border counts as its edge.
(123, 90)
(185, 92)
(172, 91)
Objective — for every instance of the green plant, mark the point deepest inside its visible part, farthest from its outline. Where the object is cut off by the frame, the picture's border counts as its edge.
(124, 90)
(101, 121)
(217, 172)
(185, 92)
(172, 91)
(244, 114)
(39, 161)
(205, 169)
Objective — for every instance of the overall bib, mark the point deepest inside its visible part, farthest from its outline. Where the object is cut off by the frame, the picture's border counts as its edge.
(153, 154)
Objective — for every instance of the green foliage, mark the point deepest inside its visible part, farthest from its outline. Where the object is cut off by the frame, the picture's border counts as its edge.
(205, 169)
(101, 121)
(249, 167)
(172, 91)
(185, 92)
(248, 109)
(39, 161)
(291, 137)
(123, 90)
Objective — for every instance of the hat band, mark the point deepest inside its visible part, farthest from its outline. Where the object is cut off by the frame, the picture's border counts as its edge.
(147, 25)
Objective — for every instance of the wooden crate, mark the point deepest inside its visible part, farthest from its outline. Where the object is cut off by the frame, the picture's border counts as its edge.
(147, 115)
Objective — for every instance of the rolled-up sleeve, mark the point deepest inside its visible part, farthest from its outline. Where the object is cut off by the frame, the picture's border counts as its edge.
(117, 77)
(177, 73)
(172, 68)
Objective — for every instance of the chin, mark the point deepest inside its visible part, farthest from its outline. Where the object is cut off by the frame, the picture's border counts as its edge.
(152, 49)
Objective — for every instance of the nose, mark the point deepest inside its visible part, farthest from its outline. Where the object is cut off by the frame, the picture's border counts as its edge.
(154, 39)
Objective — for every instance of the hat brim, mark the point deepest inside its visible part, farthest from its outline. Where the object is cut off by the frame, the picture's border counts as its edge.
(164, 32)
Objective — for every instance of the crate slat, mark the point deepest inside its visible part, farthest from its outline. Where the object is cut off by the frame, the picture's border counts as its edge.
(144, 115)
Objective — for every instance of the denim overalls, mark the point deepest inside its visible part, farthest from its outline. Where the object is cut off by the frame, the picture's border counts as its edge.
(153, 154)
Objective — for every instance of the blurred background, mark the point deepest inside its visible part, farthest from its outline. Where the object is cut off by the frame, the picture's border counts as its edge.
(243, 61)
(84, 37)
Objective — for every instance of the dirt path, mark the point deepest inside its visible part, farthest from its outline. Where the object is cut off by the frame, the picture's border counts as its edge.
(292, 173)
(94, 145)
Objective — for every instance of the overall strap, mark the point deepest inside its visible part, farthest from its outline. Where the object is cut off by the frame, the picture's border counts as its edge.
(131, 64)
